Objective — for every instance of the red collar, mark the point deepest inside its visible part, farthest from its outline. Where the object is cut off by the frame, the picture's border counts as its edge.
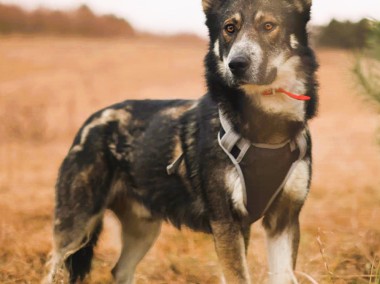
(291, 95)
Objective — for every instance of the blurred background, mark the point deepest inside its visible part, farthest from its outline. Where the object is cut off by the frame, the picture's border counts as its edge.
(62, 60)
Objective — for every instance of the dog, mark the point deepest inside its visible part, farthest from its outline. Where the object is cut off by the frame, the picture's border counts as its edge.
(191, 163)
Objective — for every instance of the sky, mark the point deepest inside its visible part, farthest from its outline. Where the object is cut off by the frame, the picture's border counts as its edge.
(176, 16)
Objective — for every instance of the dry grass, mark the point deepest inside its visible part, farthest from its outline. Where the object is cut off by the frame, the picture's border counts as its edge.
(48, 86)
(367, 71)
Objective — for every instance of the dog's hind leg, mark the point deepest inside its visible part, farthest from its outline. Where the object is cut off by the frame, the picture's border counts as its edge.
(139, 232)
(82, 190)
(73, 248)
(76, 256)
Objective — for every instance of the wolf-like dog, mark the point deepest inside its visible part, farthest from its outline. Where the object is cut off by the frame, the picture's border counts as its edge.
(185, 162)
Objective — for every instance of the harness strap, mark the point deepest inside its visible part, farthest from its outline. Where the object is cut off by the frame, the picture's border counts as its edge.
(173, 167)
(227, 135)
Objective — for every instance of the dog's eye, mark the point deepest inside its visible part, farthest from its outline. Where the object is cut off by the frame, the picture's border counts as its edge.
(268, 26)
(230, 28)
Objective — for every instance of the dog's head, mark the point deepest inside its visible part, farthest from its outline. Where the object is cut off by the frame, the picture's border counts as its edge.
(258, 45)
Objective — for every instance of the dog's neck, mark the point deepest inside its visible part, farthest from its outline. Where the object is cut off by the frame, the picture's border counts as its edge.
(259, 126)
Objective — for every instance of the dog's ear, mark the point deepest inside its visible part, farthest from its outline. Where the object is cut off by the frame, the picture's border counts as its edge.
(303, 6)
(208, 4)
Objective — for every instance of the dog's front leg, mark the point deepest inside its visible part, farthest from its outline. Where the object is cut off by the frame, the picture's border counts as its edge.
(283, 233)
(282, 228)
(230, 248)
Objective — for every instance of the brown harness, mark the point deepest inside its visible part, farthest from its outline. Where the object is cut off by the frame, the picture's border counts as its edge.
(263, 169)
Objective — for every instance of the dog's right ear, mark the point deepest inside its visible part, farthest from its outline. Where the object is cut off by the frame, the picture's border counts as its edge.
(208, 4)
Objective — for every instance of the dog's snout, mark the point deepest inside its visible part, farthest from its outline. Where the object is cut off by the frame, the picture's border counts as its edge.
(238, 65)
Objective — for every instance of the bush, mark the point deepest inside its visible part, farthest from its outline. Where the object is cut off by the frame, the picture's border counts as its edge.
(367, 66)
(345, 35)
(373, 42)
(82, 22)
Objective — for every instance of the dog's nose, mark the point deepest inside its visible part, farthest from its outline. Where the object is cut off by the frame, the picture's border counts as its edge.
(239, 65)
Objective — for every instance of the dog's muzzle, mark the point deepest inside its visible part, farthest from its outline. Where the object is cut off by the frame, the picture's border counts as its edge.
(243, 71)
(239, 65)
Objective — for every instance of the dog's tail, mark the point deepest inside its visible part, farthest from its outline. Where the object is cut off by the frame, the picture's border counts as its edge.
(78, 264)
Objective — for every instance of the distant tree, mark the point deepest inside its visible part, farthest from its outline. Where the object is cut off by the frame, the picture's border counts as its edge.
(373, 41)
(85, 22)
(81, 22)
(345, 34)
(367, 67)
(12, 19)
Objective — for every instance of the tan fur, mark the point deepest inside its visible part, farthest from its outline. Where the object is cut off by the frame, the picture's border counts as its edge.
(235, 188)
(263, 17)
(287, 78)
(139, 210)
(296, 186)
(293, 41)
(176, 112)
(206, 4)
(259, 15)
(299, 5)
(235, 20)
(216, 48)
(57, 273)
(107, 116)
(138, 235)
(280, 258)
(230, 249)
(302, 5)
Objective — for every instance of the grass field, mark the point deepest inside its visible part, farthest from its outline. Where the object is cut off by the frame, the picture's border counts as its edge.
(49, 86)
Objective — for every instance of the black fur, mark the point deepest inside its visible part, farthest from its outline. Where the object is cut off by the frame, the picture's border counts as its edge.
(121, 153)
(79, 264)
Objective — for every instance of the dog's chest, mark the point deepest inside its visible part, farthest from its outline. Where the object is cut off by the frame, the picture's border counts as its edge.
(263, 170)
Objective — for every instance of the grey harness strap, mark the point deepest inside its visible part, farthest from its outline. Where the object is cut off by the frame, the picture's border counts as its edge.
(173, 167)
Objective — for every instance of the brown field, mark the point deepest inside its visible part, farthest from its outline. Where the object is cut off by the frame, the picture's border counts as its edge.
(49, 86)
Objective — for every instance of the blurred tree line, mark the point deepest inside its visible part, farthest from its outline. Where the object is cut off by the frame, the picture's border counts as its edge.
(347, 35)
(363, 35)
(373, 41)
(364, 38)
(367, 65)
(81, 22)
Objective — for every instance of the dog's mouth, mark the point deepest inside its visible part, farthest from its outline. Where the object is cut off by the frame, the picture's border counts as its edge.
(263, 79)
